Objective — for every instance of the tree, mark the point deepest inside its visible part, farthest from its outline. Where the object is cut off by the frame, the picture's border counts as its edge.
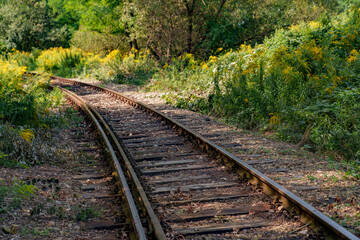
(25, 24)
(166, 28)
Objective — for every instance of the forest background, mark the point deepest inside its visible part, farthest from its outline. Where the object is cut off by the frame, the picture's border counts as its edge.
(286, 68)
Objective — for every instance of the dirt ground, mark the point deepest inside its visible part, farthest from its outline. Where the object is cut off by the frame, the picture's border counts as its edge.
(74, 198)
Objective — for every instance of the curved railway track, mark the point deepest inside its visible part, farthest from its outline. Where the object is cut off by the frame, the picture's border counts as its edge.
(179, 185)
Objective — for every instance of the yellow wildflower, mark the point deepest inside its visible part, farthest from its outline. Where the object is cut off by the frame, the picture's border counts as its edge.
(288, 70)
(246, 71)
(354, 52)
(314, 24)
(353, 56)
(212, 59)
(27, 134)
(294, 27)
(316, 51)
(112, 55)
(351, 59)
(204, 66)
(274, 119)
(329, 90)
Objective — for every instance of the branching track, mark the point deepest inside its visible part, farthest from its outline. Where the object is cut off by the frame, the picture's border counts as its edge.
(179, 185)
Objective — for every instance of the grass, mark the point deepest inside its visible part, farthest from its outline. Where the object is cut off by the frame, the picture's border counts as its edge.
(13, 194)
(21, 146)
(26, 231)
(84, 214)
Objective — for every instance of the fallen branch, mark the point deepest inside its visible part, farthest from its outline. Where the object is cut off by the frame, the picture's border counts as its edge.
(305, 137)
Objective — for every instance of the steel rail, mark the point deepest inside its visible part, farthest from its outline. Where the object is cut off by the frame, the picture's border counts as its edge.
(136, 220)
(154, 220)
(318, 221)
(155, 223)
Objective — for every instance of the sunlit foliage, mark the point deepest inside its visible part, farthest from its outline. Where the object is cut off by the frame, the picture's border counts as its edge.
(303, 76)
(23, 100)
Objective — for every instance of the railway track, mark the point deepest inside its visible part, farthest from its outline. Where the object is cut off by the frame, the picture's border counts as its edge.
(179, 185)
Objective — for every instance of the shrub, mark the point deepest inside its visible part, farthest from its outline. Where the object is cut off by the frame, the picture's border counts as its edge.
(24, 99)
(134, 68)
(62, 62)
(304, 77)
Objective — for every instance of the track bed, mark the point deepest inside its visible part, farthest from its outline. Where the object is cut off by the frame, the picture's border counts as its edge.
(192, 194)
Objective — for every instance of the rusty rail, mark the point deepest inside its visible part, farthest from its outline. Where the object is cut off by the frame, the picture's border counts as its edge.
(136, 220)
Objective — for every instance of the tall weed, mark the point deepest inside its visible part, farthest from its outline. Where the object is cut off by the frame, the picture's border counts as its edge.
(24, 99)
(134, 68)
(61, 61)
(302, 83)
(304, 77)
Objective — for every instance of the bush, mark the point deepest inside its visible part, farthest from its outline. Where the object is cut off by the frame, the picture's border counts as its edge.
(61, 62)
(23, 100)
(304, 77)
(91, 41)
(134, 68)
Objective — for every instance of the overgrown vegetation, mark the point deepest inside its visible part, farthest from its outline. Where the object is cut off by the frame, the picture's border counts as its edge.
(27, 110)
(166, 29)
(12, 194)
(287, 68)
(301, 83)
(23, 100)
(27, 24)
(30, 114)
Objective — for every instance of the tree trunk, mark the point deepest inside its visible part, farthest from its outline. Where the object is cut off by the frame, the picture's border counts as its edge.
(168, 52)
(190, 13)
(305, 137)
(153, 52)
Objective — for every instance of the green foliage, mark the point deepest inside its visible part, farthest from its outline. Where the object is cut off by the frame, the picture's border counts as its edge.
(167, 28)
(304, 77)
(33, 23)
(92, 41)
(24, 100)
(27, 59)
(13, 194)
(135, 68)
(84, 214)
(25, 104)
(252, 21)
(61, 62)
